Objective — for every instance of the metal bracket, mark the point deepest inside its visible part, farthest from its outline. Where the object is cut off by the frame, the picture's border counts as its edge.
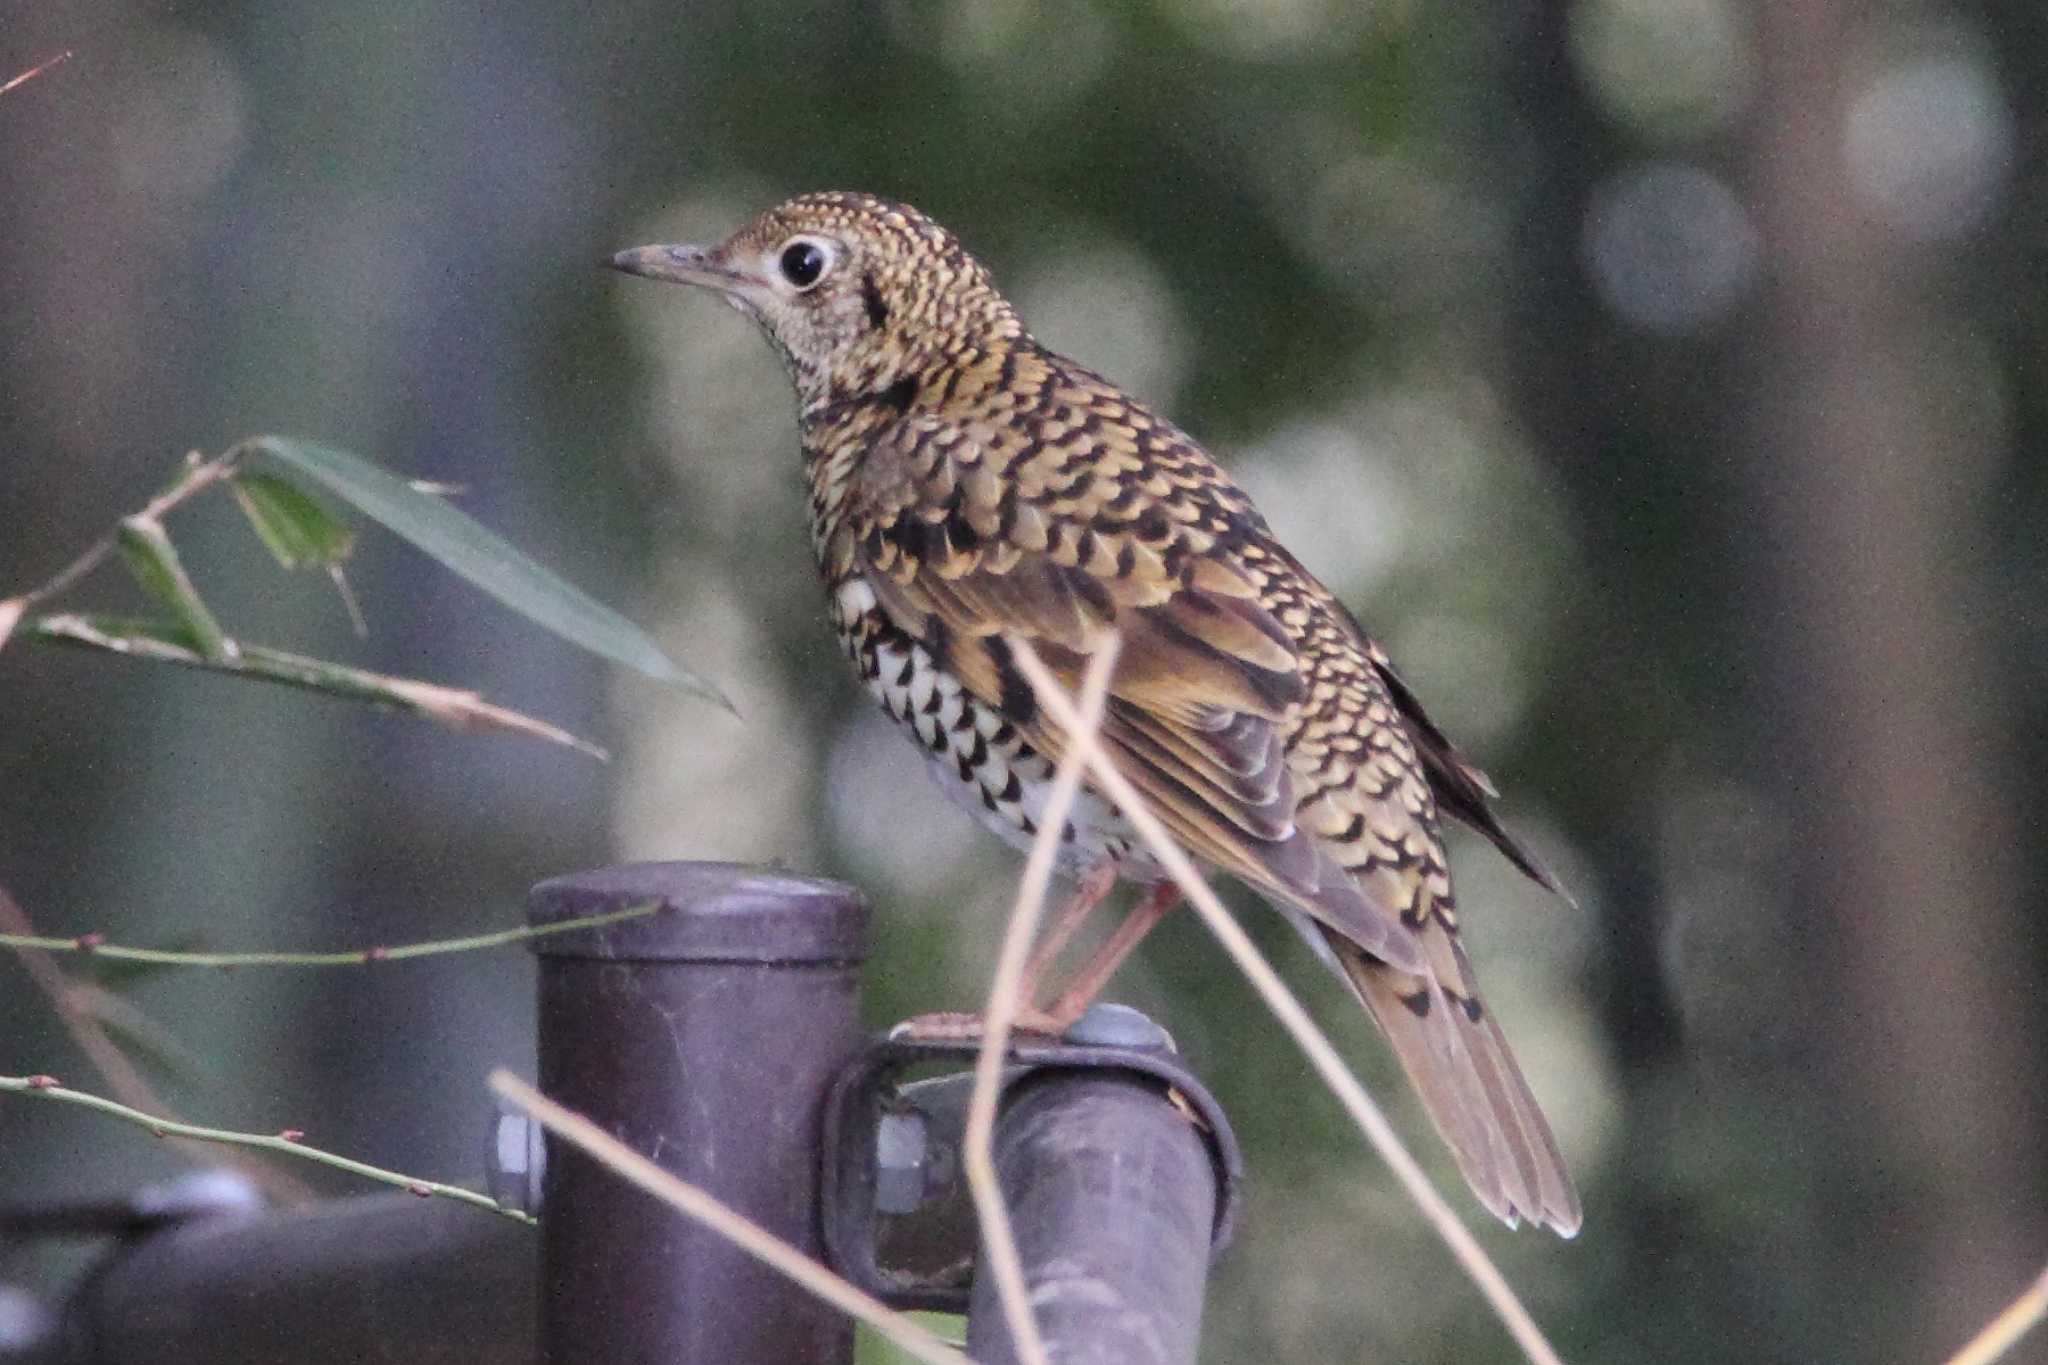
(897, 1219)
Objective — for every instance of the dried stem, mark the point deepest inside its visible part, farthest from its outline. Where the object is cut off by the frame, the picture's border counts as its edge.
(454, 707)
(1281, 1001)
(48, 1088)
(977, 1158)
(735, 1227)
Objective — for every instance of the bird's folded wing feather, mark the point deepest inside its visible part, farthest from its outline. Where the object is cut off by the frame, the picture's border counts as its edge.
(1203, 676)
(1460, 788)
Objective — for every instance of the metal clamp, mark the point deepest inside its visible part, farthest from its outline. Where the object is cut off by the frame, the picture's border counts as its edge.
(897, 1221)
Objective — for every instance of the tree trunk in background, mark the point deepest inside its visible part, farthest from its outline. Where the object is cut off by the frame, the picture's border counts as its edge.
(1865, 502)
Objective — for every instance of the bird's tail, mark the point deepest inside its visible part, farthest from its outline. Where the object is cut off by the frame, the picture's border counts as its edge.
(1458, 1061)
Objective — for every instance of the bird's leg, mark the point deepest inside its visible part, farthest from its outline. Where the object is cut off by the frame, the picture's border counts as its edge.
(1095, 883)
(957, 1027)
(1080, 993)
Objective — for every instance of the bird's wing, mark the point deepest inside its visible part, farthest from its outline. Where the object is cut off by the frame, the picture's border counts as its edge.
(1461, 788)
(971, 536)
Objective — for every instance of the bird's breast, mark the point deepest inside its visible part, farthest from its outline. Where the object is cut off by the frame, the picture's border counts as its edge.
(976, 755)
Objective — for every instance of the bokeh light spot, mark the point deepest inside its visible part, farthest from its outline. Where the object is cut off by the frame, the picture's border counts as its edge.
(1669, 246)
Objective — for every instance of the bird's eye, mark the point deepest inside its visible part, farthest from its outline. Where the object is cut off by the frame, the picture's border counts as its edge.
(803, 263)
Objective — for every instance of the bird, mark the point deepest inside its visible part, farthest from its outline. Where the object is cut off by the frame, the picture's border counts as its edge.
(970, 491)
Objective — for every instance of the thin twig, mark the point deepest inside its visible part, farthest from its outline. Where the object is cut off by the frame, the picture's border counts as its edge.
(735, 1227)
(2003, 1332)
(93, 945)
(48, 1088)
(978, 1157)
(198, 476)
(106, 1055)
(1281, 1001)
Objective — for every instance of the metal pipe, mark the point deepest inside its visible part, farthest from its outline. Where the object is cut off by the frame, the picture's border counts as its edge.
(1112, 1195)
(705, 1037)
(370, 1278)
(708, 1037)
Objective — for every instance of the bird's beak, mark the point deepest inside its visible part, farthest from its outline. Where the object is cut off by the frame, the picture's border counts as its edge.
(698, 265)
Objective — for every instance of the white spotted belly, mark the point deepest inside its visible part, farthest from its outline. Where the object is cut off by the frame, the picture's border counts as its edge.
(974, 753)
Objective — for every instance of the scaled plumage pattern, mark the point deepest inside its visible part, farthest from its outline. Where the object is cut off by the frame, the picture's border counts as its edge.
(968, 485)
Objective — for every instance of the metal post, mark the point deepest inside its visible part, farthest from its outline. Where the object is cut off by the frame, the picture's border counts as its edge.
(705, 1037)
(1112, 1194)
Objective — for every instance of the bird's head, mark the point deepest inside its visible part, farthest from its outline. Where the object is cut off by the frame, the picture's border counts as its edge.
(857, 293)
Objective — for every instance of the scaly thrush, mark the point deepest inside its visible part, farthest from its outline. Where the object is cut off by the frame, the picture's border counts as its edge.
(968, 486)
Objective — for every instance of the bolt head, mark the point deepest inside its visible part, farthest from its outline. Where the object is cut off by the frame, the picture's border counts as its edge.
(517, 1161)
(902, 1162)
(1106, 1024)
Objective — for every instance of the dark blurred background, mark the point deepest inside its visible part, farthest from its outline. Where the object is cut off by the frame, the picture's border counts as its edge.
(1661, 379)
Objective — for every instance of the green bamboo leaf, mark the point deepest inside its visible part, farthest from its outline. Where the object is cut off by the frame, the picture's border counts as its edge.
(295, 529)
(153, 561)
(482, 557)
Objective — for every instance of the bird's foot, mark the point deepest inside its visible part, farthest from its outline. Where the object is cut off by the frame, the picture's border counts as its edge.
(954, 1027)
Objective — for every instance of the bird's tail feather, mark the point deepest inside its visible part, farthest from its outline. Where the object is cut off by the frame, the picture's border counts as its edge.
(1457, 1059)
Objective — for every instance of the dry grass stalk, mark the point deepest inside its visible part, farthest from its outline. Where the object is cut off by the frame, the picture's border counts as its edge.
(978, 1158)
(15, 82)
(2003, 1332)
